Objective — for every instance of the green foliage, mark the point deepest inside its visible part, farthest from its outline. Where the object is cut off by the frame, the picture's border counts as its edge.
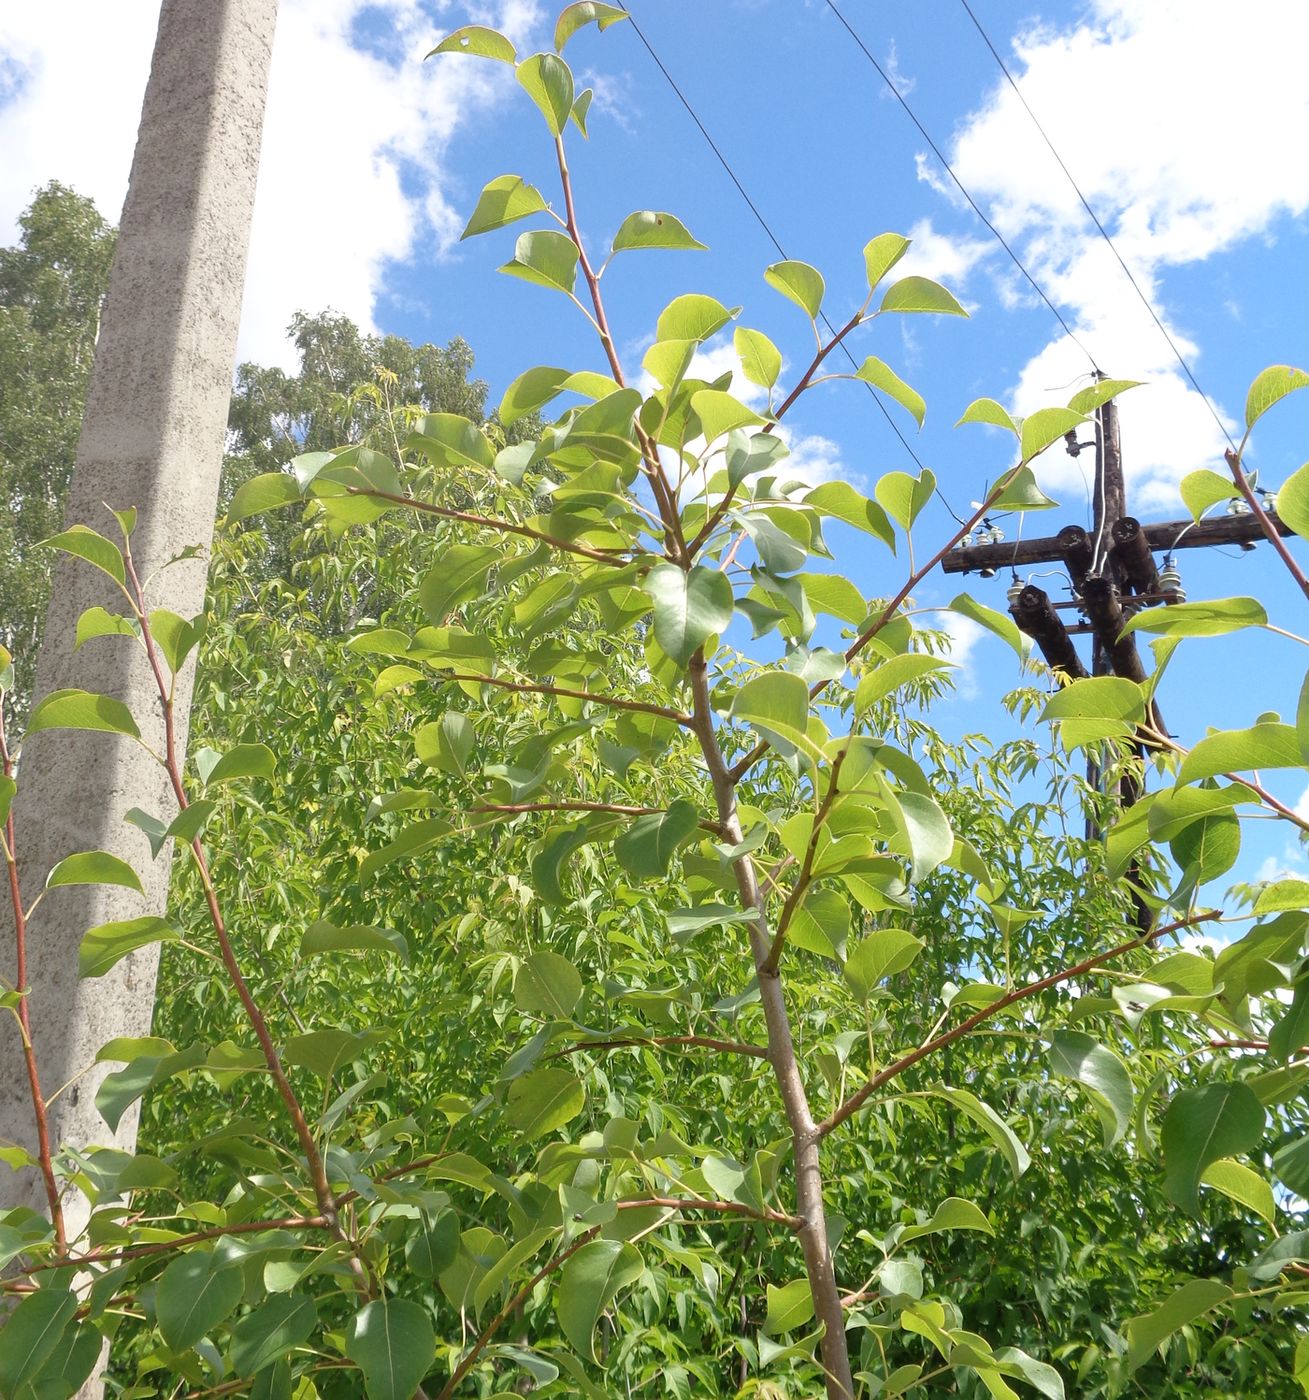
(623, 999)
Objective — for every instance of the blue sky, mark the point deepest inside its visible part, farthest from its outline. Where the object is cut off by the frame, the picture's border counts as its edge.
(1185, 121)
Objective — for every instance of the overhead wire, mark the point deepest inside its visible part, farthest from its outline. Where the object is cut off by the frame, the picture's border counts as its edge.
(1095, 219)
(776, 242)
(976, 208)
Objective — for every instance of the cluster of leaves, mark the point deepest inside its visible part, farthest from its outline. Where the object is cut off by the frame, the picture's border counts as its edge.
(620, 1001)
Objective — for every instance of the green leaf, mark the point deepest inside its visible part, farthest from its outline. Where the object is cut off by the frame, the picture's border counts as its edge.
(503, 201)
(478, 40)
(1019, 491)
(912, 294)
(451, 440)
(93, 868)
(1045, 426)
(1192, 1300)
(1293, 501)
(1208, 848)
(97, 622)
(242, 761)
(649, 228)
(92, 546)
(751, 453)
(107, 945)
(274, 1328)
(8, 790)
(1242, 1185)
(1291, 1165)
(1291, 1033)
(789, 1307)
(798, 282)
(175, 637)
(1001, 624)
(689, 608)
(882, 954)
(841, 501)
(195, 1293)
(546, 259)
(1210, 618)
(1282, 895)
(927, 834)
(532, 389)
(547, 985)
(1076, 1056)
(988, 411)
(991, 1124)
(588, 1283)
(885, 679)
(325, 937)
(776, 704)
(1201, 1125)
(645, 849)
(692, 317)
(881, 376)
(261, 493)
(1089, 399)
(720, 413)
(1098, 697)
(325, 1051)
(904, 496)
(761, 360)
(79, 709)
(952, 1214)
(581, 106)
(32, 1333)
(392, 1342)
(1271, 386)
(543, 1101)
(1202, 489)
(432, 1247)
(582, 13)
(1240, 750)
(881, 254)
(458, 575)
(447, 743)
(548, 81)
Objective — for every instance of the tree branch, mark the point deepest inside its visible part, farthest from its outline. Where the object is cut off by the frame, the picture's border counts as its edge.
(539, 688)
(855, 1102)
(1265, 524)
(706, 1042)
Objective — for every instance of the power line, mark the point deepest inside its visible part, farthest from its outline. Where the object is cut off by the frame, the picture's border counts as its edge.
(773, 239)
(936, 150)
(1104, 233)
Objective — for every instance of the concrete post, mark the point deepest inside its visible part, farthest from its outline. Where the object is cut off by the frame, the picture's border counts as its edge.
(152, 437)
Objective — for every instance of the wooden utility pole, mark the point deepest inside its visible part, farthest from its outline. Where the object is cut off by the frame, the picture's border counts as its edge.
(152, 439)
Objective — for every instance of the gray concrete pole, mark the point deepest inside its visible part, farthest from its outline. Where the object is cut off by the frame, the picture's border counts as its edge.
(152, 437)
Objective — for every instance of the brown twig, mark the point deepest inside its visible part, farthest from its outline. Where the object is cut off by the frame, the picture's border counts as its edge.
(540, 688)
(705, 1042)
(1265, 524)
(617, 808)
(45, 1157)
(313, 1159)
(870, 1086)
(615, 557)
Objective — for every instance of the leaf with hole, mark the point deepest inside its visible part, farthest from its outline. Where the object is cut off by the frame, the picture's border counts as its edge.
(650, 228)
(479, 41)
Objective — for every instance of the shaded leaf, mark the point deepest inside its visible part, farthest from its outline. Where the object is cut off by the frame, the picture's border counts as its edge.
(1202, 1124)
(503, 200)
(93, 868)
(392, 1342)
(588, 1283)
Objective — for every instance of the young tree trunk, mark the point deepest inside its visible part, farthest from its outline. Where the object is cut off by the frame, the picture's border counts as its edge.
(152, 438)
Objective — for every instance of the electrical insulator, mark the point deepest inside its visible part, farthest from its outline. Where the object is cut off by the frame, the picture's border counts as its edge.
(1170, 581)
(1236, 506)
(1014, 592)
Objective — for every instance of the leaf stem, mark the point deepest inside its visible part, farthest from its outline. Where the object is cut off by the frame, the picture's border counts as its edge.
(1265, 524)
(540, 688)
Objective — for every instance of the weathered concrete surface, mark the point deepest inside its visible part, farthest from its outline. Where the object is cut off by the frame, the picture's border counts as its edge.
(152, 438)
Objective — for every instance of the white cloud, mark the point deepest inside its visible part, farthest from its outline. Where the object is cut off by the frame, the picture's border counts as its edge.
(1138, 100)
(964, 636)
(942, 256)
(351, 175)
